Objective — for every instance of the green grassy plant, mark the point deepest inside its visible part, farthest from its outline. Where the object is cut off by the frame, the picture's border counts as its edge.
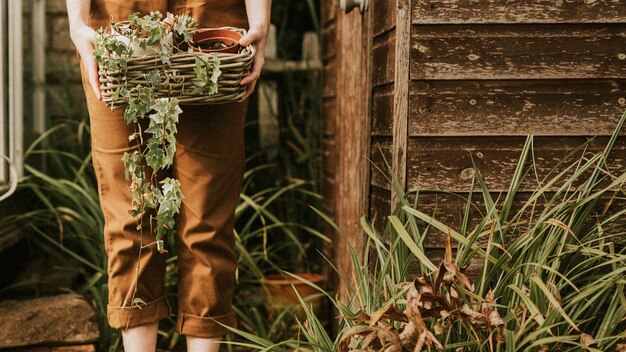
(63, 218)
(275, 227)
(551, 276)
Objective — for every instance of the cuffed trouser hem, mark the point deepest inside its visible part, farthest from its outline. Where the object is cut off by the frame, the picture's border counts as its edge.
(206, 327)
(127, 317)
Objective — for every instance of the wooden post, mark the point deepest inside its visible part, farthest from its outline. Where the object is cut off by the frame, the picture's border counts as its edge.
(311, 47)
(401, 95)
(268, 101)
(352, 121)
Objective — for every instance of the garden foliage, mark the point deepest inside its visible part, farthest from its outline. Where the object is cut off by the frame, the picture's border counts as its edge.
(551, 270)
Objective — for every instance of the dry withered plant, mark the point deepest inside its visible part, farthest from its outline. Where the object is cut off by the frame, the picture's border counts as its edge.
(434, 303)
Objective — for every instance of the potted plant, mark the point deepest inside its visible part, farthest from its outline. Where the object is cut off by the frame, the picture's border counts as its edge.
(291, 277)
(282, 291)
(216, 40)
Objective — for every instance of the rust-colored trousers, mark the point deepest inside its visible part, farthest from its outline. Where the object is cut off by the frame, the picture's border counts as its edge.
(209, 164)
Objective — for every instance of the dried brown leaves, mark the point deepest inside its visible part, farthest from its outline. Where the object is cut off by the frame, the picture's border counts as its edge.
(432, 308)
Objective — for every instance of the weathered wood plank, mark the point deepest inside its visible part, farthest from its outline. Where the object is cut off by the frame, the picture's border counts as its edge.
(515, 11)
(329, 42)
(330, 79)
(352, 138)
(445, 163)
(329, 125)
(329, 184)
(328, 193)
(518, 52)
(329, 154)
(401, 95)
(382, 110)
(70, 348)
(329, 11)
(383, 59)
(512, 108)
(384, 15)
(55, 320)
(280, 66)
(381, 150)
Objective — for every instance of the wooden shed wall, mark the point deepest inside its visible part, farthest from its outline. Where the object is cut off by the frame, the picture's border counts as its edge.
(481, 76)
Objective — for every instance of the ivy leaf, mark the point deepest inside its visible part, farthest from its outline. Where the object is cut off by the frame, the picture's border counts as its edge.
(154, 78)
(139, 102)
(205, 83)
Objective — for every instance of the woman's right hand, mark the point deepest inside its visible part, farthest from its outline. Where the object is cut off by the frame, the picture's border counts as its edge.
(83, 36)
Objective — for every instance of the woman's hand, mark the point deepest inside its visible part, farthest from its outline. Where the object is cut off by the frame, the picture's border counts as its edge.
(83, 36)
(258, 37)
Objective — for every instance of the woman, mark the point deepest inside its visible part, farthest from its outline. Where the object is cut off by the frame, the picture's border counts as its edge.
(209, 165)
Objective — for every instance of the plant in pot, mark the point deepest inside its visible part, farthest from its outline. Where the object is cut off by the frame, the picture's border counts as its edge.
(293, 274)
(272, 246)
(282, 292)
(215, 40)
(295, 249)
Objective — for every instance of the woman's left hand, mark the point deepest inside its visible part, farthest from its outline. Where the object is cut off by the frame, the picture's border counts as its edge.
(258, 37)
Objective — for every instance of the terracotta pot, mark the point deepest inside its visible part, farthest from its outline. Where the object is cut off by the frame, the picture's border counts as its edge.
(229, 38)
(280, 292)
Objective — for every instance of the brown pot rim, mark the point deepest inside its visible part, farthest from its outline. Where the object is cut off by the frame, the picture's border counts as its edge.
(283, 279)
(203, 35)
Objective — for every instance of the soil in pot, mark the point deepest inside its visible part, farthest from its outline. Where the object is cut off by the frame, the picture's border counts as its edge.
(216, 41)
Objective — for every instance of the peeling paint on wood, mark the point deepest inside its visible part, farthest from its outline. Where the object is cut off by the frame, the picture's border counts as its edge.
(515, 11)
(513, 108)
(443, 163)
(518, 52)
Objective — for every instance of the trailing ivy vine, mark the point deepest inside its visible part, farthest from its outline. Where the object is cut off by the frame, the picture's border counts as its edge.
(114, 46)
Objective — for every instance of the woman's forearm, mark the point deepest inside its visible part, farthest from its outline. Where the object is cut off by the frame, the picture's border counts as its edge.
(259, 21)
(82, 35)
(78, 13)
(259, 14)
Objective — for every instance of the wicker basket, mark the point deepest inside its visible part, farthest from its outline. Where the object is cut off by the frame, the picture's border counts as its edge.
(180, 74)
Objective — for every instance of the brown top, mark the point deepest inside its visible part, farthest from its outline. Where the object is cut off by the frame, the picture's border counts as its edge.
(208, 13)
